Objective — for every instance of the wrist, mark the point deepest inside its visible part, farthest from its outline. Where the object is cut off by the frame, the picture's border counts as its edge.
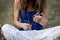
(18, 24)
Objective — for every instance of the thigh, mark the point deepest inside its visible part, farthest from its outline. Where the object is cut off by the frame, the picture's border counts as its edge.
(50, 33)
(9, 31)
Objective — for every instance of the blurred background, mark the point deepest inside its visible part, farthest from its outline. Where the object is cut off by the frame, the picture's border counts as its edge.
(6, 13)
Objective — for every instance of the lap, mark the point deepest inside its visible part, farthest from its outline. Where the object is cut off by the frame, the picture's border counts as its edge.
(10, 30)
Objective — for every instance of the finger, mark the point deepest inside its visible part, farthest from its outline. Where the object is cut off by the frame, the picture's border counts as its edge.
(29, 28)
(25, 28)
(38, 17)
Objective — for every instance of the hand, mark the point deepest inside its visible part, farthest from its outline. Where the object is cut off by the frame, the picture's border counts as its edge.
(43, 22)
(26, 26)
(37, 18)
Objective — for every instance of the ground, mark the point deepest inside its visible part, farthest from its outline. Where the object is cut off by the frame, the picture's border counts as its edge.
(6, 13)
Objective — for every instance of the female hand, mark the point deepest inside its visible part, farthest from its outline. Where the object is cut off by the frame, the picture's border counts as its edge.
(43, 22)
(26, 26)
(37, 18)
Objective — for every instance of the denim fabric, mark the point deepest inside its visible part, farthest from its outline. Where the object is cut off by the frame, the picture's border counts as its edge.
(27, 17)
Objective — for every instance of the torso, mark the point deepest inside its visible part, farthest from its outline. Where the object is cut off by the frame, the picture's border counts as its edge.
(27, 17)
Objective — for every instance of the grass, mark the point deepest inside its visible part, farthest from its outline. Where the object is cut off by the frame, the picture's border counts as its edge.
(6, 12)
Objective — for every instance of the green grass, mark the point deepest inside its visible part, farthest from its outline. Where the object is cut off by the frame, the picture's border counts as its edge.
(6, 12)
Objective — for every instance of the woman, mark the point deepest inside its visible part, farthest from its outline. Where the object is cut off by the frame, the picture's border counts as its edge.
(33, 14)
(27, 9)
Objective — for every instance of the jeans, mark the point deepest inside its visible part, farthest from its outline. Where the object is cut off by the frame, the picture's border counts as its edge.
(12, 33)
